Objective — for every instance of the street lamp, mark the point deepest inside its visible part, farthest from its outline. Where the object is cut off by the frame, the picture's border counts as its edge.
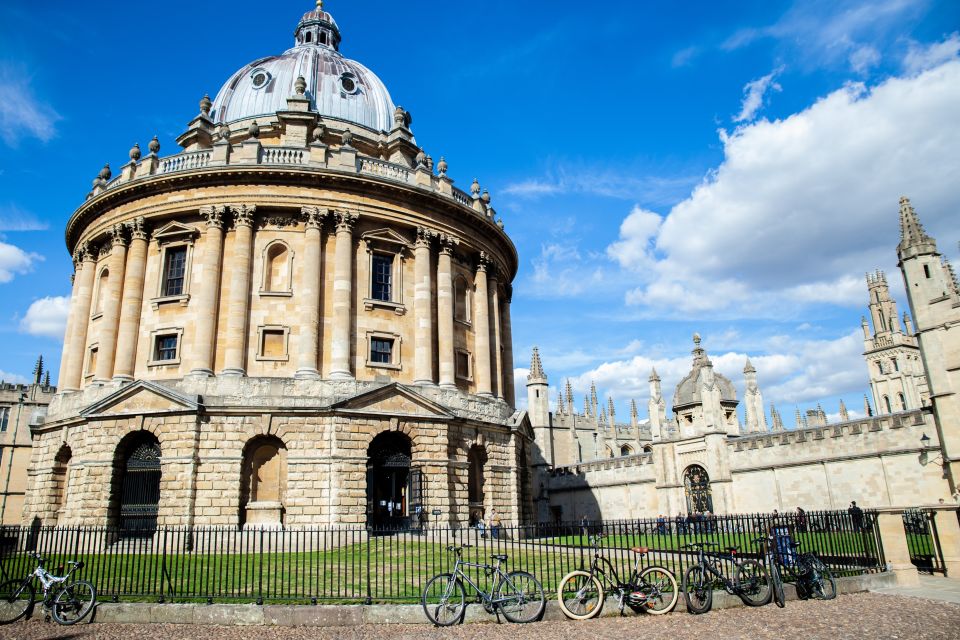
(924, 455)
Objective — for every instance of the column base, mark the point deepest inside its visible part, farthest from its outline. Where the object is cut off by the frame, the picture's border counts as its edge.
(307, 373)
(486, 394)
(237, 373)
(425, 383)
(201, 373)
(341, 375)
(448, 386)
(123, 379)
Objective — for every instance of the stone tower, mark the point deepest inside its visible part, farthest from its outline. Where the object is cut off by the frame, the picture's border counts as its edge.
(932, 292)
(656, 408)
(538, 408)
(756, 419)
(892, 356)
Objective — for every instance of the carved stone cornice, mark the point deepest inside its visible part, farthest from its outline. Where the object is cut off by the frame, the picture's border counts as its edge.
(345, 220)
(313, 217)
(279, 221)
(424, 237)
(243, 214)
(138, 229)
(103, 250)
(214, 215)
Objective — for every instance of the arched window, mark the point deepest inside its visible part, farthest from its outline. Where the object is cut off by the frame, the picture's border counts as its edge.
(648, 448)
(461, 300)
(102, 283)
(902, 401)
(625, 450)
(61, 478)
(263, 482)
(309, 37)
(477, 459)
(135, 486)
(276, 268)
(896, 365)
(886, 404)
(696, 485)
(323, 37)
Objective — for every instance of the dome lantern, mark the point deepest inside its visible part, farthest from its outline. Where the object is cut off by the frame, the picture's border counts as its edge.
(317, 27)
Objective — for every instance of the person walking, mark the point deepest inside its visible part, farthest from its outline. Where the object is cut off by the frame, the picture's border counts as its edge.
(856, 514)
(801, 520)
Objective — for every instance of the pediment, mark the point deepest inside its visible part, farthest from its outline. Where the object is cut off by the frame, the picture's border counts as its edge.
(142, 397)
(388, 236)
(175, 231)
(520, 423)
(393, 400)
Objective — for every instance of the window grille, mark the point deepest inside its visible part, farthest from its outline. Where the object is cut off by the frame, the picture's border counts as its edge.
(382, 277)
(174, 271)
(381, 350)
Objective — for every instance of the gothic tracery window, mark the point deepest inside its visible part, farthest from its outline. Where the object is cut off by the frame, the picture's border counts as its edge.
(696, 485)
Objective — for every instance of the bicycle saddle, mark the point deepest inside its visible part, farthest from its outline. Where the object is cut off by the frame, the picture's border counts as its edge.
(639, 550)
(499, 556)
(731, 549)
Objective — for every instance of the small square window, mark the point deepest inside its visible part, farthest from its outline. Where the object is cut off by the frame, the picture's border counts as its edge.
(273, 344)
(174, 271)
(166, 347)
(382, 282)
(381, 350)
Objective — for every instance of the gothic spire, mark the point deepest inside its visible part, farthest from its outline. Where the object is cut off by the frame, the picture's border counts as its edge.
(570, 396)
(775, 417)
(536, 368)
(748, 367)
(866, 406)
(844, 415)
(800, 424)
(912, 235)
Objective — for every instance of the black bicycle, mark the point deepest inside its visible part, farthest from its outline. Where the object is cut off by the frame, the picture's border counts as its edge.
(69, 601)
(581, 593)
(750, 581)
(770, 552)
(518, 595)
(812, 577)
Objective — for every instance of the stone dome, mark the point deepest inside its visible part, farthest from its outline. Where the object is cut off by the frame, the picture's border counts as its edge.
(688, 391)
(337, 87)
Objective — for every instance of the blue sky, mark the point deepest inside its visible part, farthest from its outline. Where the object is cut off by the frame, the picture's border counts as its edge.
(664, 168)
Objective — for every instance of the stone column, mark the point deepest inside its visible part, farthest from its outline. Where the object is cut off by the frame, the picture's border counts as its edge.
(481, 329)
(110, 321)
(445, 312)
(342, 297)
(239, 302)
(77, 338)
(208, 293)
(497, 351)
(309, 345)
(894, 541)
(71, 321)
(507, 337)
(423, 309)
(132, 303)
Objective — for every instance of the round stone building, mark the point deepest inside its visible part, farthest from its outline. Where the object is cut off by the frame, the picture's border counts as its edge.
(296, 319)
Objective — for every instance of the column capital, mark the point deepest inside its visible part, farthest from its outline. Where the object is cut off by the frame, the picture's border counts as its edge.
(138, 229)
(314, 216)
(345, 220)
(243, 214)
(424, 237)
(214, 215)
(118, 236)
(447, 243)
(83, 253)
(484, 263)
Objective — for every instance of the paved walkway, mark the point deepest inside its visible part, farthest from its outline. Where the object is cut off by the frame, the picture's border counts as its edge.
(863, 615)
(931, 588)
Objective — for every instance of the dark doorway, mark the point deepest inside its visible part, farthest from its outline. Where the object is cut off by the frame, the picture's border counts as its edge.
(393, 486)
(477, 460)
(138, 465)
(696, 484)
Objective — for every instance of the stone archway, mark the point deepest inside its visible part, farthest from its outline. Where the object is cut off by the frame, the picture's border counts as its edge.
(263, 481)
(394, 486)
(696, 486)
(136, 485)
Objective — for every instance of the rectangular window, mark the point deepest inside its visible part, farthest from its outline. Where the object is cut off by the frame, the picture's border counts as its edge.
(382, 277)
(174, 269)
(166, 348)
(463, 364)
(4, 417)
(92, 363)
(273, 343)
(381, 350)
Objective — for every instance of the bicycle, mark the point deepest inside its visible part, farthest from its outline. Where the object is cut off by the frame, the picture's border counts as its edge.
(581, 593)
(769, 550)
(750, 582)
(518, 595)
(68, 603)
(812, 577)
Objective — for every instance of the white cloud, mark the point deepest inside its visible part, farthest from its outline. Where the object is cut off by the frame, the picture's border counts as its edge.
(566, 178)
(14, 260)
(801, 207)
(685, 56)
(562, 271)
(14, 378)
(863, 58)
(753, 94)
(21, 113)
(920, 57)
(13, 218)
(47, 317)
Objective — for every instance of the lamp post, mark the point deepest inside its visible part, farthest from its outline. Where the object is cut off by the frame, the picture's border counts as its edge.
(925, 454)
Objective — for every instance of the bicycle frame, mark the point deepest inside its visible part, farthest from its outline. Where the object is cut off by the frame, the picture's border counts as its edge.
(608, 583)
(47, 579)
(709, 563)
(500, 577)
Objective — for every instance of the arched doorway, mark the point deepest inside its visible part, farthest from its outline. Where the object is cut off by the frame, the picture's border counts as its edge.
(393, 486)
(477, 460)
(696, 485)
(136, 484)
(263, 481)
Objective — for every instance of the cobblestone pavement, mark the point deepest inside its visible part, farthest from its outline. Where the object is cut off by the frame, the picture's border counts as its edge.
(867, 615)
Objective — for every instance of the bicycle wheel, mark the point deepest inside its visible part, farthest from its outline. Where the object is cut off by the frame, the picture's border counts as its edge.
(824, 586)
(444, 600)
(74, 602)
(580, 595)
(520, 597)
(753, 583)
(16, 599)
(777, 582)
(697, 589)
(660, 587)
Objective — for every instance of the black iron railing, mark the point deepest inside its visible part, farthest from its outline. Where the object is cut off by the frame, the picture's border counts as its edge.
(357, 565)
(923, 540)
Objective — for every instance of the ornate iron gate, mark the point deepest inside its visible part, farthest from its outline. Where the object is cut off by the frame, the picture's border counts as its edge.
(923, 541)
(140, 494)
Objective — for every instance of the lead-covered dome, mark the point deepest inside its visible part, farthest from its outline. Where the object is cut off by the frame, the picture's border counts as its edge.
(337, 87)
(689, 390)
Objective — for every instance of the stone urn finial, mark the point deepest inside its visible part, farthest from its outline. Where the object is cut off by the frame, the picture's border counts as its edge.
(430, 162)
(205, 105)
(318, 132)
(223, 132)
(253, 130)
(421, 158)
(346, 138)
(105, 173)
(485, 197)
(300, 86)
(154, 146)
(135, 152)
(442, 166)
(475, 187)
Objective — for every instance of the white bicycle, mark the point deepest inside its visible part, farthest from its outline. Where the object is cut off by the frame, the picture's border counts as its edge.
(69, 601)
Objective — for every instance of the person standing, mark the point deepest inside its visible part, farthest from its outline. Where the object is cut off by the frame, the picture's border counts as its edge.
(856, 514)
(494, 524)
